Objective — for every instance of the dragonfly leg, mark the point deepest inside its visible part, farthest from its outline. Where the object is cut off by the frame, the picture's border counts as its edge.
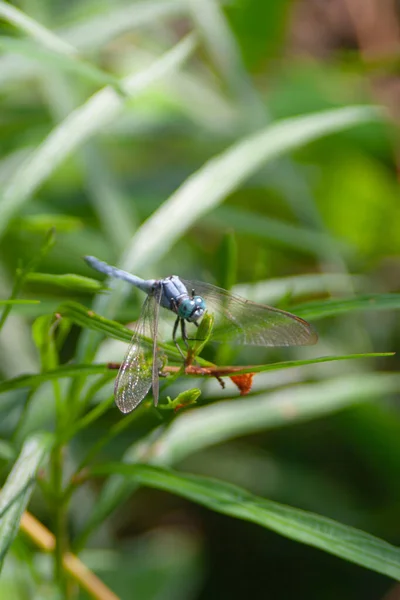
(178, 319)
(193, 339)
(184, 334)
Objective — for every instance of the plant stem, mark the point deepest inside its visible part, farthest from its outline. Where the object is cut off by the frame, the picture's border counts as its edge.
(59, 518)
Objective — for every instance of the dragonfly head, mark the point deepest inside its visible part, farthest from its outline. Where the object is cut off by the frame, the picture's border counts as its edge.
(192, 309)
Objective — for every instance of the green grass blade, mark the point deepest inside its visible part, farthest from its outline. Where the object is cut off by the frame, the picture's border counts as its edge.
(23, 273)
(222, 47)
(226, 420)
(69, 281)
(28, 381)
(16, 302)
(64, 371)
(34, 29)
(64, 62)
(271, 291)
(214, 424)
(79, 126)
(328, 308)
(292, 364)
(314, 530)
(287, 235)
(114, 20)
(19, 485)
(209, 186)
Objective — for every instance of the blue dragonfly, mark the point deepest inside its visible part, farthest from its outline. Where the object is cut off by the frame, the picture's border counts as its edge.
(237, 321)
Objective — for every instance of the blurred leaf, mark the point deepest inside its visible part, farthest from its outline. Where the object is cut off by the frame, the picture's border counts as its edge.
(79, 126)
(16, 302)
(7, 450)
(273, 290)
(25, 23)
(61, 372)
(226, 420)
(259, 28)
(227, 260)
(69, 281)
(64, 371)
(327, 308)
(65, 62)
(22, 274)
(209, 186)
(95, 30)
(341, 540)
(42, 333)
(225, 54)
(358, 200)
(43, 222)
(16, 491)
(259, 226)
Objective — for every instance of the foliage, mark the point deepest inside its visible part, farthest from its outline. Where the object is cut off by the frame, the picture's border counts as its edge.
(168, 136)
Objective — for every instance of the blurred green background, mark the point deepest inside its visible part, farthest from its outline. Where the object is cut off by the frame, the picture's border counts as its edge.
(317, 218)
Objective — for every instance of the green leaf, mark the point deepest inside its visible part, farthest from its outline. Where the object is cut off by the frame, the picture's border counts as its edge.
(218, 177)
(84, 317)
(227, 420)
(24, 381)
(17, 490)
(111, 20)
(314, 530)
(65, 62)
(34, 29)
(43, 222)
(68, 281)
(271, 291)
(227, 260)
(17, 302)
(7, 451)
(328, 308)
(43, 336)
(183, 400)
(65, 371)
(288, 235)
(22, 274)
(203, 334)
(79, 126)
(292, 364)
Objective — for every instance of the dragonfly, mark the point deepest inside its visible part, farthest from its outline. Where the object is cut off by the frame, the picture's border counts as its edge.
(237, 320)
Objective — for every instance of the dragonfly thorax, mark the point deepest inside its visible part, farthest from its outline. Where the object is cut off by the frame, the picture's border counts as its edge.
(191, 308)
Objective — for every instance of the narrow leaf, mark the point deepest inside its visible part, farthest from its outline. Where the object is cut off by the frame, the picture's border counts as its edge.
(218, 177)
(16, 302)
(34, 29)
(68, 281)
(328, 308)
(226, 420)
(24, 381)
(16, 492)
(79, 126)
(314, 530)
(65, 62)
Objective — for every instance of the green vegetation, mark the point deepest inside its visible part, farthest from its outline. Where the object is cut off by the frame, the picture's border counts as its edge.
(194, 137)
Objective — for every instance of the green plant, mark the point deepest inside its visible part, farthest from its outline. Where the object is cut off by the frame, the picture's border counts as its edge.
(144, 157)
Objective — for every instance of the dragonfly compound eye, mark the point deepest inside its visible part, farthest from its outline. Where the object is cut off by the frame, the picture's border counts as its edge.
(192, 309)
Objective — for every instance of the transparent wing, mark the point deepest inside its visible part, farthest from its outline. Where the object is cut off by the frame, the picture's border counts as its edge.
(240, 321)
(142, 362)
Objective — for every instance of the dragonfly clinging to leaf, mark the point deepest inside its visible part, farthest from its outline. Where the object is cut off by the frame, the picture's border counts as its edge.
(237, 321)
